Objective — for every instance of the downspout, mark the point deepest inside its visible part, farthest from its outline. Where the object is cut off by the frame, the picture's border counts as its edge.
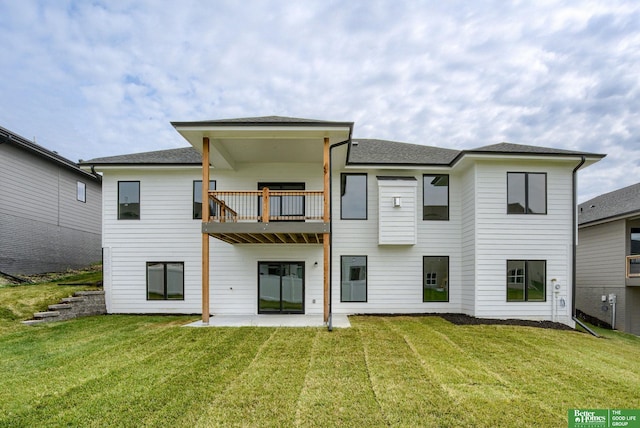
(330, 324)
(575, 247)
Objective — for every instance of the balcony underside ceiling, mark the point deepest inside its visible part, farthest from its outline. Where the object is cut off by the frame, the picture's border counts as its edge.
(268, 233)
(269, 238)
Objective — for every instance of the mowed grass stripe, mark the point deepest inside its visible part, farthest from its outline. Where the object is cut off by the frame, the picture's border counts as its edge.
(266, 393)
(96, 388)
(58, 357)
(408, 394)
(337, 391)
(214, 369)
(483, 396)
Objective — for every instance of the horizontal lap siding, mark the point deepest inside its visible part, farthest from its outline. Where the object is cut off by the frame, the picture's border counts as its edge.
(397, 225)
(468, 268)
(601, 269)
(167, 232)
(44, 227)
(394, 272)
(501, 236)
(601, 255)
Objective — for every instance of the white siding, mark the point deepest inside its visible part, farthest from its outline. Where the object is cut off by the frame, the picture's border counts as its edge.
(394, 277)
(468, 267)
(478, 238)
(501, 237)
(166, 232)
(397, 225)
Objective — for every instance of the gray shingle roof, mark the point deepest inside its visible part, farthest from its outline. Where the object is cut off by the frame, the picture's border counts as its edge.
(371, 151)
(621, 202)
(524, 149)
(10, 137)
(181, 156)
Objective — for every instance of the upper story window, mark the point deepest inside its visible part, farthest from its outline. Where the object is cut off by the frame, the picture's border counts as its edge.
(81, 191)
(526, 193)
(526, 280)
(353, 196)
(284, 208)
(128, 200)
(197, 198)
(435, 197)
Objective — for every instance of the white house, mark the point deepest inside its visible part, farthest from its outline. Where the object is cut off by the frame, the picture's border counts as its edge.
(304, 219)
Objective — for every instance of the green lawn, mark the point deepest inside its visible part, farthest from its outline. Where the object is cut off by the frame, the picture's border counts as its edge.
(385, 371)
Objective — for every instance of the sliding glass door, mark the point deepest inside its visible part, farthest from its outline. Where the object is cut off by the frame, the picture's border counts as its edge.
(281, 287)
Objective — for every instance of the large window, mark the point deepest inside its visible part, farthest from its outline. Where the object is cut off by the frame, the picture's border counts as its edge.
(197, 199)
(283, 208)
(436, 279)
(81, 191)
(526, 280)
(128, 200)
(435, 197)
(353, 196)
(165, 281)
(353, 278)
(526, 193)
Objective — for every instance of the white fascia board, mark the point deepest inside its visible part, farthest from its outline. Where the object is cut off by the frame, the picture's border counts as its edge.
(101, 168)
(268, 131)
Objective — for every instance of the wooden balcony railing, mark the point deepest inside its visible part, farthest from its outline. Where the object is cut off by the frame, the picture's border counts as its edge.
(633, 266)
(266, 205)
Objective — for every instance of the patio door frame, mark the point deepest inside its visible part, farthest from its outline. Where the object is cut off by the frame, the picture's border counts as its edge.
(282, 263)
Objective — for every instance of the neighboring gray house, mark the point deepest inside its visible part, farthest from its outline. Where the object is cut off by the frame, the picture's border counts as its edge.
(50, 210)
(608, 258)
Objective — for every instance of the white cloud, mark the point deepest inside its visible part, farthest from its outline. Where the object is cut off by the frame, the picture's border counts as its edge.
(103, 78)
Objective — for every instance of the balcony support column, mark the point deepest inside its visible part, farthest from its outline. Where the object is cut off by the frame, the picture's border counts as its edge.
(205, 236)
(325, 236)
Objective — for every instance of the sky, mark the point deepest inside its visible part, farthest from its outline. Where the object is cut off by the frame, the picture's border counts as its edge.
(99, 78)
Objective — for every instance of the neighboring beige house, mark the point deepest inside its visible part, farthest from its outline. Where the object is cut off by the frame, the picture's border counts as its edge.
(608, 258)
(305, 219)
(50, 210)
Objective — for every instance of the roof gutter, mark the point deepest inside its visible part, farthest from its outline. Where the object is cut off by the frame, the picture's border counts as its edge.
(575, 246)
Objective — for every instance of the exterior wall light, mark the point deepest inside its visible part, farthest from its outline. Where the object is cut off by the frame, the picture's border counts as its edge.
(396, 202)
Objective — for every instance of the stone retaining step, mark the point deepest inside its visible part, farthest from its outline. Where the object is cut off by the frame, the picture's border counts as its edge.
(59, 306)
(49, 314)
(71, 299)
(83, 303)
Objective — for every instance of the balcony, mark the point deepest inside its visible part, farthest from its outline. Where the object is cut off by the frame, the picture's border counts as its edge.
(267, 216)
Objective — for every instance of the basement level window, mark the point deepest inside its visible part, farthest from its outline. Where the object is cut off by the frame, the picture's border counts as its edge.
(165, 281)
(526, 280)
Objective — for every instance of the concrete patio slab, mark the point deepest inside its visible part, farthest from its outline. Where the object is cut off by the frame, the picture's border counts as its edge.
(338, 321)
